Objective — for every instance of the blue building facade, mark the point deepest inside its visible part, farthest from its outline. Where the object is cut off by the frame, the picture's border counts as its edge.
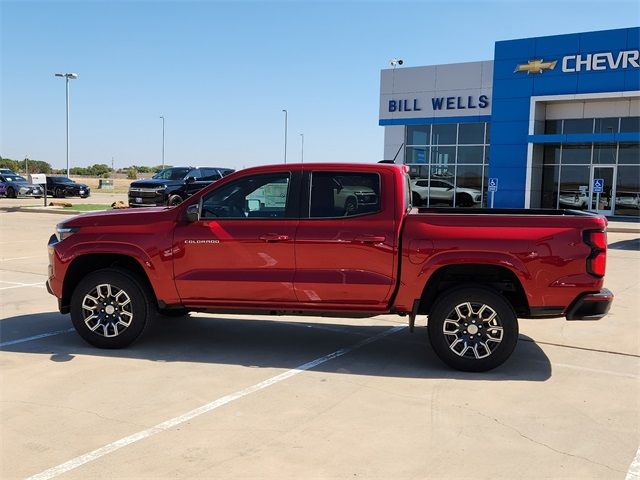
(558, 115)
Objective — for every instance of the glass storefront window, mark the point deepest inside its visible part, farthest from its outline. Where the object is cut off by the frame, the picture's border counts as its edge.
(552, 127)
(444, 134)
(469, 186)
(551, 154)
(578, 125)
(417, 154)
(629, 153)
(576, 153)
(630, 124)
(443, 155)
(550, 174)
(607, 125)
(574, 187)
(470, 154)
(628, 191)
(487, 132)
(471, 133)
(418, 134)
(604, 153)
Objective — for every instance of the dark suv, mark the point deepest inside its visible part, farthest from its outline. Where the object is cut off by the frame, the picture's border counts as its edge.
(173, 185)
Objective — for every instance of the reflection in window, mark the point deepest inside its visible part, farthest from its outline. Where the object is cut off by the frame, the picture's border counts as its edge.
(552, 127)
(444, 134)
(604, 153)
(443, 155)
(630, 124)
(578, 125)
(574, 187)
(418, 134)
(471, 133)
(550, 174)
(469, 186)
(416, 154)
(578, 153)
(628, 191)
(343, 194)
(607, 125)
(470, 154)
(551, 154)
(629, 153)
(257, 196)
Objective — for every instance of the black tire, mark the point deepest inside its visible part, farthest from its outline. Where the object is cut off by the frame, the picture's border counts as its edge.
(469, 332)
(11, 193)
(174, 200)
(416, 200)
(464, 200)
(127, 321)
(173, 312)
(58, 193)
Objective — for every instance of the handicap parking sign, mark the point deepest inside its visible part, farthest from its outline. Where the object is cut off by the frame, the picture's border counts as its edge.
(493, 184)
(598, 185)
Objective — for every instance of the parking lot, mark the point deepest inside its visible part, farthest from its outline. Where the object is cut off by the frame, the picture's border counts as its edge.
(229, 396)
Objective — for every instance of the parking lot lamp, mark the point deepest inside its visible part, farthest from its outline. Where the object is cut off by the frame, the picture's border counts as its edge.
(67, 77)
(162, 117)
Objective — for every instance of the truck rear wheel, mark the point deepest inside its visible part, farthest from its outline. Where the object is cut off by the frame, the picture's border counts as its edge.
(473, 329)
(110, 308)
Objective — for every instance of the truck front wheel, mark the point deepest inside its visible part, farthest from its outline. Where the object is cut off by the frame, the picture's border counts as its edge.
(473, 329)
(110, 308)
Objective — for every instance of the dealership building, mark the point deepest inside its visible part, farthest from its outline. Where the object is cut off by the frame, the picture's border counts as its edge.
(550, 122)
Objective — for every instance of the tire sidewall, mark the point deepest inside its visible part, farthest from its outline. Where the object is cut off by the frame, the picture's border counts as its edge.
(140, 307)
(506, 314)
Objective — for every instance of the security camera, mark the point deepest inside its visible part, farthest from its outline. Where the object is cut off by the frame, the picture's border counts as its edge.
(396, 61)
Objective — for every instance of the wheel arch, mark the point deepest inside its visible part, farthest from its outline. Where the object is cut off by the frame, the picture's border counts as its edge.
(497, 278)
(85, 264)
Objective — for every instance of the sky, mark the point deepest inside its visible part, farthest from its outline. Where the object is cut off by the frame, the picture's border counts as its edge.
(221, 72)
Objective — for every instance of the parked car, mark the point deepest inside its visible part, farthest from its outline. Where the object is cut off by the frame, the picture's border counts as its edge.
(472, 274)
(172, 186)
(628, 200)
(7, 171)
(576, 199)
(12, 186)
(61, 187)
(442, 191)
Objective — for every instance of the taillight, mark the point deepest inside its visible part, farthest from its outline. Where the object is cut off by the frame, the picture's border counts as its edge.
(597, 259)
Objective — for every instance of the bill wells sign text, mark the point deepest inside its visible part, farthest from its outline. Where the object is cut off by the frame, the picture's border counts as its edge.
(440, 103)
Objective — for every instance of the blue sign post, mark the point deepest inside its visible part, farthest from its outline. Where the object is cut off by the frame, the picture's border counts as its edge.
(493, 188)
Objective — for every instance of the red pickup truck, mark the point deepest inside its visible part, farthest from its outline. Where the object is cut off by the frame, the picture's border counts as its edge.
(333, 240)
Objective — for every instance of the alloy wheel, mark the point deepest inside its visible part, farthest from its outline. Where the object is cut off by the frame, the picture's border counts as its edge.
(473, 330)
(107, 310)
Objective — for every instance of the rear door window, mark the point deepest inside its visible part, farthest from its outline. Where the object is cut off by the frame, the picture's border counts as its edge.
(343, 194)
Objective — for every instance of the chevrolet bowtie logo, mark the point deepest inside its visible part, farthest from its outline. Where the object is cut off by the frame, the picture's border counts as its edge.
(535, 66)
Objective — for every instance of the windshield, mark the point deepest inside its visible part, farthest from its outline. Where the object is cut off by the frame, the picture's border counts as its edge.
(14, 178)
(62, 180)
(177, 173)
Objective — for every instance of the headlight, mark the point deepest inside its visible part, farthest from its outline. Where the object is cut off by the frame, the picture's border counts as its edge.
(63, 232)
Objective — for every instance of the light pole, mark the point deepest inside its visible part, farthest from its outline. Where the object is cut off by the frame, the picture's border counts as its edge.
(286, 120)
(67, 77)
(302, 150)
(162, 117)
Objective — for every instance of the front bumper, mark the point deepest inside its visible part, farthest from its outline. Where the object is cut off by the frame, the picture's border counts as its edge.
(590, 306)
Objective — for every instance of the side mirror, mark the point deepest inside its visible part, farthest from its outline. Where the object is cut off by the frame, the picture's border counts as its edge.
(190, 179)
(193, 212)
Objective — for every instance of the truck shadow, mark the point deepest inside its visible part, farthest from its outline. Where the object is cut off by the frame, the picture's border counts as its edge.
(633, 244)
(259, 342)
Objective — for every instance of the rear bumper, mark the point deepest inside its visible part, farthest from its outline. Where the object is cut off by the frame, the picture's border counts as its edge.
(590, 306)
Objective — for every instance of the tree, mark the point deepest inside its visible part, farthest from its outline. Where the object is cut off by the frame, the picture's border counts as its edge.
(132, 174)
(8, 163)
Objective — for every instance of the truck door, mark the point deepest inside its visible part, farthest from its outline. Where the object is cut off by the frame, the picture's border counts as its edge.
(241, 250)
(345, 242)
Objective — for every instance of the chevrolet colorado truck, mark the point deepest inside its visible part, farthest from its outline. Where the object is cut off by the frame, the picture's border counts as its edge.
(277, 240)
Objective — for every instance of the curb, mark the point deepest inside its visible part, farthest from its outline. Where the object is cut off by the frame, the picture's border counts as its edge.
(40, 210)
(623, 230)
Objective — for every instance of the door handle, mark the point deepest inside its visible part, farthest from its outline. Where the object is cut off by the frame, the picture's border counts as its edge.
(273, 237)
(369, 239)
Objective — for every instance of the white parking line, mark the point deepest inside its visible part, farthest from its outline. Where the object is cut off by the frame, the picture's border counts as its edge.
(39, 284)
(20, 258)
(173, 422)
(35, 337)
(634, 468)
